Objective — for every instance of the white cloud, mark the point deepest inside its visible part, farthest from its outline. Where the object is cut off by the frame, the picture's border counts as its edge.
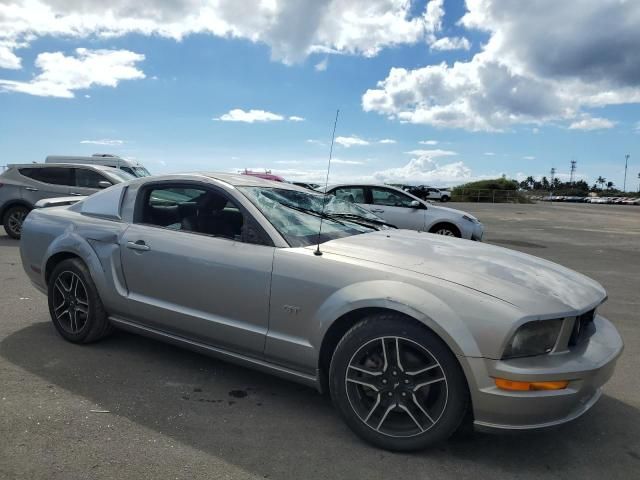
(292, 29)
(61, 75)
(528, 157)
(387, 141)
(592, 123)
(424, 169)
(8, 59)
(434, 153)
(249, 116)
(351, 141)
(253, 115)
(451, 43)
(428, 142)
(321, 66)
(104, 141)
(542, 63)
(346, 162)
(313, 141)
(489, 154)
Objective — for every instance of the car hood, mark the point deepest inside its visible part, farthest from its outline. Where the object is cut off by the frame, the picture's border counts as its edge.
(527, 282)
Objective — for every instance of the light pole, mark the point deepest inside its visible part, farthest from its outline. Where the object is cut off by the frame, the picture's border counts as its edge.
(626, 161)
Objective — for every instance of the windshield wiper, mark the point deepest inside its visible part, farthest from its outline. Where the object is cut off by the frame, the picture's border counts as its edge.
(352, 217)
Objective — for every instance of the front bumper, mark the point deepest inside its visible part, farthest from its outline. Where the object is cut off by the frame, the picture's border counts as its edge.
(478, 232)
(587, 367)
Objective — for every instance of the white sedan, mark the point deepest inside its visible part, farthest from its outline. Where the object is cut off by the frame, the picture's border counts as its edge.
(403, 210)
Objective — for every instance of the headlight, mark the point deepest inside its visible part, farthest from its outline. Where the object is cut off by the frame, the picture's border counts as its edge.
(534, 338)
(471, 219)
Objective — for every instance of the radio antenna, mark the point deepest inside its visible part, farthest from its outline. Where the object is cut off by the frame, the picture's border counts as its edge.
(326, 182)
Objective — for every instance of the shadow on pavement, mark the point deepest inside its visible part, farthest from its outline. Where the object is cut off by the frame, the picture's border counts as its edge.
(269, 426)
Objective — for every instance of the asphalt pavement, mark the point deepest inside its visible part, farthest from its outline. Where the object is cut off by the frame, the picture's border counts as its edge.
(133, 408)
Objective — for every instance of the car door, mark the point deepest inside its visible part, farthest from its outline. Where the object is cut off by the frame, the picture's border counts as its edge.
(45, 182)
(202, 286)
(394, 207)
(87, 181)
(355, 194)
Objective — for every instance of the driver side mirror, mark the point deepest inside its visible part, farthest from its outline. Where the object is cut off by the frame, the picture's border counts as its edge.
(104, 184)
(415, 204)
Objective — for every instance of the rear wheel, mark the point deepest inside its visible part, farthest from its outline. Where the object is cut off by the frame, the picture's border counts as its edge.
(397, 385)
(446, 229)
(12, 220)
(444, 198)
(74, 304)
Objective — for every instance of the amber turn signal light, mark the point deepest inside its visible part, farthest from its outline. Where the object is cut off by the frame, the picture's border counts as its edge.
(505, 384)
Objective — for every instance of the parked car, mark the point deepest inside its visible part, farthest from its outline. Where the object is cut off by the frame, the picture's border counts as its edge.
(406, 331)
(404, 210)
(266, 175)
(425, 192)
(310, 186)
(21, 186)
(131, 167)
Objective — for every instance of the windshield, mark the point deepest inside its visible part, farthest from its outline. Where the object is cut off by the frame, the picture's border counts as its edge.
(136, 171)
(121, 175)
(140, 172)
(296, 215)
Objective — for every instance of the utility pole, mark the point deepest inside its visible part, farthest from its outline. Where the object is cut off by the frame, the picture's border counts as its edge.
(553, 174)
(573, 171)
(626, 161)
(638, 182)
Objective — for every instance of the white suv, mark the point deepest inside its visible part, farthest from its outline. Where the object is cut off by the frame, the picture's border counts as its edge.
(407, 211)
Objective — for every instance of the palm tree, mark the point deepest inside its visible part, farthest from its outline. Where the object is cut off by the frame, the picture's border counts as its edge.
(601, 181)
(545, 183)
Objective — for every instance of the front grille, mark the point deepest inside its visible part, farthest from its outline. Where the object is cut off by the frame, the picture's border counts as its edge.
(582, 328)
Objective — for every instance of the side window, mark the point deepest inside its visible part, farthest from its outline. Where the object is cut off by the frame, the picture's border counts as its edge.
(350, 194)
(389, 198)
(86, 178)
(128, 170)
(52, 175)
(191, 210)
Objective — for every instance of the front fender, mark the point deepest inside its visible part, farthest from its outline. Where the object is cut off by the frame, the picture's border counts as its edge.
(402, 297)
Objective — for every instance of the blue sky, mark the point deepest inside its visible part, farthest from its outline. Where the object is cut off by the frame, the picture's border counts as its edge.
(137, 92)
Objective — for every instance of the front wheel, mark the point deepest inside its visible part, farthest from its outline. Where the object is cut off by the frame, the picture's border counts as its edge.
(445, 198)
(446, 229)
(74, 304)
(397, 385)
(12, 220)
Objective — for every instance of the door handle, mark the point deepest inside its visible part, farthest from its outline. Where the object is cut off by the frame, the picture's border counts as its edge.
(377, 210)
(139, 245)
(76, 194)
(31, 189)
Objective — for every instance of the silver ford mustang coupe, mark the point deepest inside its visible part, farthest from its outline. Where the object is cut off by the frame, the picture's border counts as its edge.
(409, 332)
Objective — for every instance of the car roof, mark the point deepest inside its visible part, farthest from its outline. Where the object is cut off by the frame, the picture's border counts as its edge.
(240, 180)
(68, 165)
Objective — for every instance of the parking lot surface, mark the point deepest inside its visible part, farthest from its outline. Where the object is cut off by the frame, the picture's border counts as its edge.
(129, 407)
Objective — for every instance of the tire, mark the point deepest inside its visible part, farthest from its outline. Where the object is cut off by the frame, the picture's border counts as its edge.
(71, 289)
(444, 199)
(406, 411)
(12, 220)
(446, 229)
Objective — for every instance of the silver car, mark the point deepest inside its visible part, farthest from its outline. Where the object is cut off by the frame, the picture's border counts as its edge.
(21, 186)
(405, 210)
(410, 333)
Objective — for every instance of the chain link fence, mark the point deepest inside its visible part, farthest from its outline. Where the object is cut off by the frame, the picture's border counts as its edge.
(488, 196)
